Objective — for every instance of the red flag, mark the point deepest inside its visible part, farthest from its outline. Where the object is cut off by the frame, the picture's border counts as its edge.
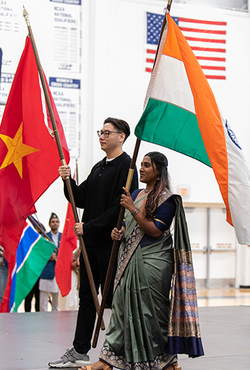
(65, 254)
(29, 158)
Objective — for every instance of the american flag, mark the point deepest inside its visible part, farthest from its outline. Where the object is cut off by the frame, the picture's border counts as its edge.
(206, 38)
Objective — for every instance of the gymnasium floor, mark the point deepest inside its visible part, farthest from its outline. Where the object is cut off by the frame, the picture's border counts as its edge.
(30, 340)
(223, 297)
(207, 298)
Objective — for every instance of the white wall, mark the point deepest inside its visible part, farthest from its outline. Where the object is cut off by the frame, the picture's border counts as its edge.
(119, 87)
(233, 4)
(119, 83)
(114, 83)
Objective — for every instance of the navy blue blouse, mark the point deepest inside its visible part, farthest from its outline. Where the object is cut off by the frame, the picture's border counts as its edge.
(163, 217)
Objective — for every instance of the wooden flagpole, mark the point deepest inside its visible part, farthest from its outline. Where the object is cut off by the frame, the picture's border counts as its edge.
(36, 225)
(77, 180)
(77, 183)
(120, 219)
(115, 247)
(60, 150)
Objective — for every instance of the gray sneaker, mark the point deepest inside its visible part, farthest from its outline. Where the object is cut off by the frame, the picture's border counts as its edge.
(71, 358)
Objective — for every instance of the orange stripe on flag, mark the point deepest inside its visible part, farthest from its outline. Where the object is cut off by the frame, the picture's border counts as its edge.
(171, 47)
(207, 112)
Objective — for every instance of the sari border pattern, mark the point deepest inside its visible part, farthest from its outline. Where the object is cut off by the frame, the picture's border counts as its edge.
(128, 251)
(159, 362)
(184, 330)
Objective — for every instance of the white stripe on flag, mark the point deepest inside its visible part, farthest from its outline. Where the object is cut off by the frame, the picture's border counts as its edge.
(28, 252)
(238, 186)
(165, 89)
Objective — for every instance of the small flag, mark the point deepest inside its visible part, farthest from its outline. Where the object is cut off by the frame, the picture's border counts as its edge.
(206, 38)
(181, 113)
(65, 254)
(32, 254)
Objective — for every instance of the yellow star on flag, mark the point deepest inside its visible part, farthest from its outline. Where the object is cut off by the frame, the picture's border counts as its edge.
(16, 150)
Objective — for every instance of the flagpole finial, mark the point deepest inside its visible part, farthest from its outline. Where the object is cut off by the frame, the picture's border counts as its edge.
(169, 5)
(26, 16)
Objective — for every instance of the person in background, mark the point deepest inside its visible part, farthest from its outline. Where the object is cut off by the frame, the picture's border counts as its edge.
(99, 195)
(47, 283)
(71, 300)
(3, 273)
(35, 292)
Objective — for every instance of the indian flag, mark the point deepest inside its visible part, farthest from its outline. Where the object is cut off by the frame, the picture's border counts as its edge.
(181, 113)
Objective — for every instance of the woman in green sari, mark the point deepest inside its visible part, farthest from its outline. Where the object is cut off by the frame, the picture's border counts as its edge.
(139, 335)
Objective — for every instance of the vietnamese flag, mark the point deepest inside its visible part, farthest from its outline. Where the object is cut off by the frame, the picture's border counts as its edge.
(29, 158)
(181, 113)
(65, 254)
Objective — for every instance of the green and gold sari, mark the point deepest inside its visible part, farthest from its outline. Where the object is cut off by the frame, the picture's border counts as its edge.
(138, 332)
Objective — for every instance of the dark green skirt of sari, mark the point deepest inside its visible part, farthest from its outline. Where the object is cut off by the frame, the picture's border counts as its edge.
(146, 329)
(137, 335)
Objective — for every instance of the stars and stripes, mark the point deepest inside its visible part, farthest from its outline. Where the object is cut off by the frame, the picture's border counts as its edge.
(206, 38)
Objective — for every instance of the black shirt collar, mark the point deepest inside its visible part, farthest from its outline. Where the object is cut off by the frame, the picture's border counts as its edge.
(114, 162)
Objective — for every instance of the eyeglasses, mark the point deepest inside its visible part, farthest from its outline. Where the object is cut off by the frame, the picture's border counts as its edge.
(106, 133)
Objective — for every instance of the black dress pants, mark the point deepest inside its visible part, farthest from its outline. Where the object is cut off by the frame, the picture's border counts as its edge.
(99, 262)
(34, 292)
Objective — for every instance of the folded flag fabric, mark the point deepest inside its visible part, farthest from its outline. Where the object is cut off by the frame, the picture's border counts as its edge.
(65, 254)
(181, 113)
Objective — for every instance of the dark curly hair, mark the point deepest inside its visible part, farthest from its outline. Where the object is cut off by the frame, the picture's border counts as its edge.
(160, 163)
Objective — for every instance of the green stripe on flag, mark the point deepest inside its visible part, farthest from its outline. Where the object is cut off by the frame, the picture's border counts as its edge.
(32, 268)
(172, 127)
